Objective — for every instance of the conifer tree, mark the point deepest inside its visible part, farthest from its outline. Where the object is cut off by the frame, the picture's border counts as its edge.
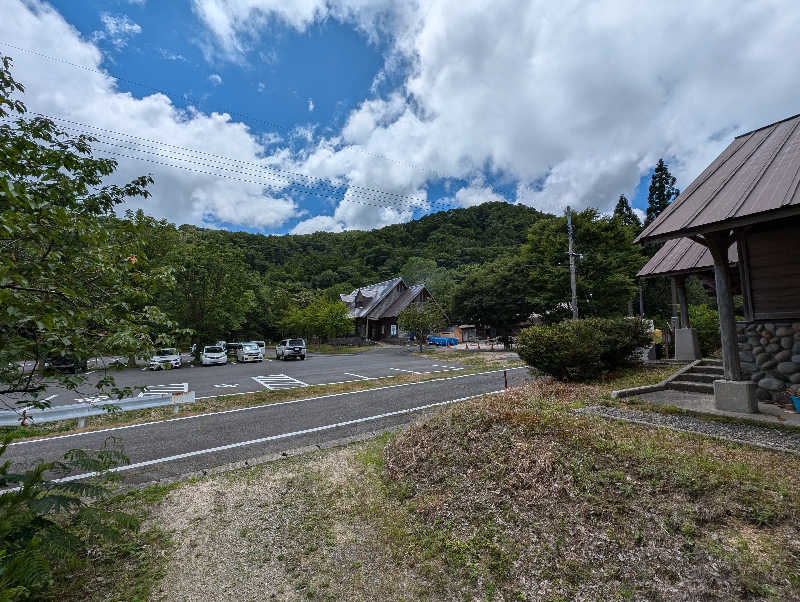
(662, 191)
(624, 213)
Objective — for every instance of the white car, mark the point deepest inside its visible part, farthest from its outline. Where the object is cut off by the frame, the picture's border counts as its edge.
(164, 359)
(213, 355)
(249, 352)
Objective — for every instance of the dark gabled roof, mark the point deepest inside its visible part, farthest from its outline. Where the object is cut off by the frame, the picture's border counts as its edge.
(373, 294)
(403, 301)
(755, 179)
(682, 256)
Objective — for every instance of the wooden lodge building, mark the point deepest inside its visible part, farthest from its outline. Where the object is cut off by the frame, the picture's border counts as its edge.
(374, 308)
(739, 221)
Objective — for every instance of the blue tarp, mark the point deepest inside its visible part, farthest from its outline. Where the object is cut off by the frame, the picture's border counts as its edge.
(443, 341)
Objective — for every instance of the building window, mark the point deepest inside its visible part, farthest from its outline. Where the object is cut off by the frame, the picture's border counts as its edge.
(394, 330)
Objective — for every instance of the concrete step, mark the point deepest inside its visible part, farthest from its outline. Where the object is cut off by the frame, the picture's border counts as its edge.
(700, 377)
(715, 370)
(694, 387)
(712, 362)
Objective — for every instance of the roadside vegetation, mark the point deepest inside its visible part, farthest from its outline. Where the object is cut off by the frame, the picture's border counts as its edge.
(511, 496)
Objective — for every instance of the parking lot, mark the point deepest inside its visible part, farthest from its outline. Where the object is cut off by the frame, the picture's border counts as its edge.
(271, 374)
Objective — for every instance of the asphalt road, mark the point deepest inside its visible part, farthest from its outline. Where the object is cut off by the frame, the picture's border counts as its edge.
(179, 446)
(271, 374)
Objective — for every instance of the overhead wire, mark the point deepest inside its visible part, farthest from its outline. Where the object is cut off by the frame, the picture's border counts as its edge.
(337, 194)
(195, 154)
(272, 124)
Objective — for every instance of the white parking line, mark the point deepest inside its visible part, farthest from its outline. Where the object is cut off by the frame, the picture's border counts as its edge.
(157, 390)
(316, 429)
(409, 371)
(51, 397)
(275, 382)
(224, 386)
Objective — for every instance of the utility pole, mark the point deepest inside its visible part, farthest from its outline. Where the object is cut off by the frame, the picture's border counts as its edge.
(572, 267)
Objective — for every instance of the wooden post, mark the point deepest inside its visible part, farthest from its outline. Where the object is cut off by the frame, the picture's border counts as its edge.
(680, 289)
(718, 243)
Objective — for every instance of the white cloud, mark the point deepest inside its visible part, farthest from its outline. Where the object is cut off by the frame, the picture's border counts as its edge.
(215, 79)
(572, 101)
(476, 194)
(171, 55)
(118, 29)
(180, 195)
(318, 223)
(310, 105)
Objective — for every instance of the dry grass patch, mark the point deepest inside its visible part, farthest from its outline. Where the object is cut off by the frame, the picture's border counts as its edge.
(294, 530)
(521, 498)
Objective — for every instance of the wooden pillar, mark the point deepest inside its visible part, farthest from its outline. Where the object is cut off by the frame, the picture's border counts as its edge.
(718, 243)
(680, 289)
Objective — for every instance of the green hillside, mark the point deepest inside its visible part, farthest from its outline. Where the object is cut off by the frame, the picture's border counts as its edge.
(323, 260)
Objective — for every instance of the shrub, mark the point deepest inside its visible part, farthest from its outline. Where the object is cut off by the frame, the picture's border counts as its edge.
(46, 522)
(582, 349)
(705, 321)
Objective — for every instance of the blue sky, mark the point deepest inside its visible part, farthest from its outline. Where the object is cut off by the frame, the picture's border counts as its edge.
(280, 116)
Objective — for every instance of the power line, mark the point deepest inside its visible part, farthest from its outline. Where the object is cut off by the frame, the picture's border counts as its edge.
(251, 181)
(265, 181)
(271, 180)
(173, 93)
(121, 137)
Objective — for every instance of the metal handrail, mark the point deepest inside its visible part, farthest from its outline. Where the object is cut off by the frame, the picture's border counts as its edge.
(81, 411)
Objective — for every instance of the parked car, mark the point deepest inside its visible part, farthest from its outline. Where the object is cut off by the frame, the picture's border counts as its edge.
(249, 352)
(66, 363)
(233, 349)
(213, 355)
(261, 345)
(165, 358)
(291, 348)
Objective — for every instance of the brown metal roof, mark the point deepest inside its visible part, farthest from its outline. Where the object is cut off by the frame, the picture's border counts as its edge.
(757, 178)
(682, 256)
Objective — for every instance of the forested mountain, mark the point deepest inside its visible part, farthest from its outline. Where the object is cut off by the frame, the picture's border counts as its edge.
(344, 260)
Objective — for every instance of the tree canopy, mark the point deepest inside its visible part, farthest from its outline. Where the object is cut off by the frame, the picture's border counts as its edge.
(70, 282)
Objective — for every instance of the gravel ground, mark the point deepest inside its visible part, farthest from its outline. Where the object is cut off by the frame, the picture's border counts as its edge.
(770, 438)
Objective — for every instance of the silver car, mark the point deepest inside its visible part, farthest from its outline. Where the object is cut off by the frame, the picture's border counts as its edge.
(249, 352)
(213, 355)
(290, 348)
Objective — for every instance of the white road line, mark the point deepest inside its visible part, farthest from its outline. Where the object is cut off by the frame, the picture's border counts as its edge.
(262, 406)
(155, 390)
(275, 382)
(409, 371)
(315, 429)
(51, 397)
(358, 376)
(224, 386)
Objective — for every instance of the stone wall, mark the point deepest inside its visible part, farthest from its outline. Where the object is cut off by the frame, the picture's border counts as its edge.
(770, 355)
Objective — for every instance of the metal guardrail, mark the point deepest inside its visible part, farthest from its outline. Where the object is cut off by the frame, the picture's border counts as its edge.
(81, 411)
